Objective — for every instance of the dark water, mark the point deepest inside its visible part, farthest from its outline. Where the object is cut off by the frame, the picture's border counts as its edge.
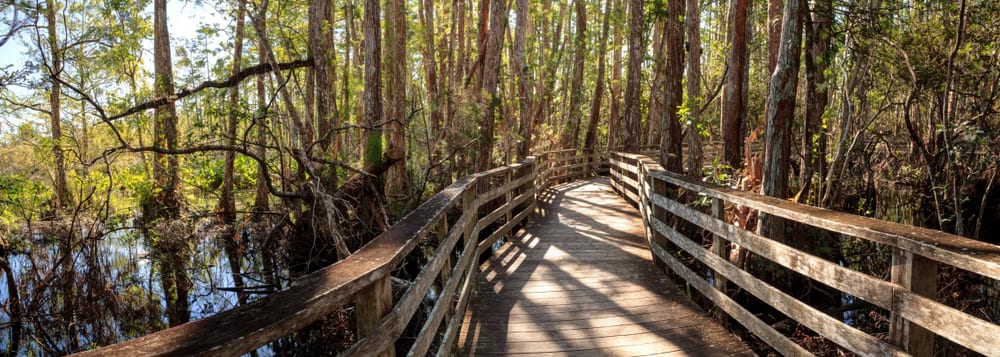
(117, 287)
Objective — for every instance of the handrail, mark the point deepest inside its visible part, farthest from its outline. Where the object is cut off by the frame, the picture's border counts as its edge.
(364, 278)
(909, 295)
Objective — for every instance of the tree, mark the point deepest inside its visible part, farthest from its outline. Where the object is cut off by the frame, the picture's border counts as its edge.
(818, 37)
(55, 67)
(395, 92)
(632, 122)
(670, 144)
(733, 97)
(373, 82)
(490, 77)
(519, 64)
(574, 110)
(692, 18)
(602, 55)
(780, 114)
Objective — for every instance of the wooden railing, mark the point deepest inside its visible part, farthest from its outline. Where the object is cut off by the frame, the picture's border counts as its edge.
(489, 205)
(909, 295)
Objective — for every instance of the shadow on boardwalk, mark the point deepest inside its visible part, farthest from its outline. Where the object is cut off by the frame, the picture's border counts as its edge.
(580, 281)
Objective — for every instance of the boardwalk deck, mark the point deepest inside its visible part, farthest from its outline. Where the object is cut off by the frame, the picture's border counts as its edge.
(580, 281)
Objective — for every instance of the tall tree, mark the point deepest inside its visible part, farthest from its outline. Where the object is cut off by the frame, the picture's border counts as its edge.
(395, 90)
(371, 28)
(615, 116)
(520, 68)
(632, 122)
(55, 67)
(773, 33)
(692, 19)
(491, 75)
(733, 98)
(575, 110)
(227, 201)
(602, 55)
(657, 90)
(166, 201)
(670, 144)
(780, 114)
(321, 49)
(818, 37)
(261, 192)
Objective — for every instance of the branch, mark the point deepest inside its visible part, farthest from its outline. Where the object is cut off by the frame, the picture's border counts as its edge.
(230, 82)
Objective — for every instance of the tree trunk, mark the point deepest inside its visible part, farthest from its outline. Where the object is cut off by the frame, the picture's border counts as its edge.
(62, 197)
(524, 80)
(575, 109)
(602, 54)
(227, 203)
(693, 24)
(615, 108)
(670, 144)
(633, 123)
(321, 49)
(166, 203)
(818, 34)
(491, 65)
(657, 90)
(262, 193)
(773, 33)
(733, 99)
(395, 91)
(780, 114)
(371, 27)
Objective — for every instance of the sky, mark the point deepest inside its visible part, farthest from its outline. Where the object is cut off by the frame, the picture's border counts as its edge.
(184, 18)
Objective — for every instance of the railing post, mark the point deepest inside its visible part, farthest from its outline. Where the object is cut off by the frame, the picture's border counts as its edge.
(719, 248)
(509, 197)
(918, 275)
(372, 303)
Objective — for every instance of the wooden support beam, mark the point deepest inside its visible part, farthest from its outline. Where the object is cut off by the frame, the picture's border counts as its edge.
(919, 275)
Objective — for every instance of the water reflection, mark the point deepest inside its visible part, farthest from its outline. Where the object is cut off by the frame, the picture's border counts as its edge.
(107, 289)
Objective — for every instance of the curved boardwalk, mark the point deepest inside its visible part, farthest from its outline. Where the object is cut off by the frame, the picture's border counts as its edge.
(580, 282)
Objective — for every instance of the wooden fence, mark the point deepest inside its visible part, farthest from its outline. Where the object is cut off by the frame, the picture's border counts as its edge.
(489, 205)
(909, 294)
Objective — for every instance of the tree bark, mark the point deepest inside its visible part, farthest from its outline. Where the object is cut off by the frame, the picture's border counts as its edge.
(62, 197)
(524, 80)
(670, 144)
(575, 110)
(632, 122)
(615, 107)
(693, 24)
(227, 203)
(602, 54)
(818, 34)
(655, 109)
(261, 196)
(733, 99)
(321, 50)
(395, 92)
(491, 65)
(371, 28)
(780, 114)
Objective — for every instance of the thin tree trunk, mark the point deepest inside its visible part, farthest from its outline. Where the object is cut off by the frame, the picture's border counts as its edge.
(733, 99)
(602, 54)
(321, 49)
(693, 24)
(670, 144)
(262, 192)
(817, 95)
(373, 82)
(491, 65)
(62, 197)
(657, 90)
(227, 203)
(524, 80)
(395, 91)
(780, 114)
(575, 110)
(633, 123)
(615, 108)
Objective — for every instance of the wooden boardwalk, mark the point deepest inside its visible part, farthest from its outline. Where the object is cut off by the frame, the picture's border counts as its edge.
(579, 281)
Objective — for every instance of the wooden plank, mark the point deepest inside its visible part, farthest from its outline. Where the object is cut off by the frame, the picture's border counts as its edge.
(868, 288)
(964, 329)
(975, 256)
(831, 328)
(767, 333)
(371, 304)
(911, 273)
(444, 302)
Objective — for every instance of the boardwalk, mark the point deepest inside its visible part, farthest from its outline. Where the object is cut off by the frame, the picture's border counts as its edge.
(579, 281)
